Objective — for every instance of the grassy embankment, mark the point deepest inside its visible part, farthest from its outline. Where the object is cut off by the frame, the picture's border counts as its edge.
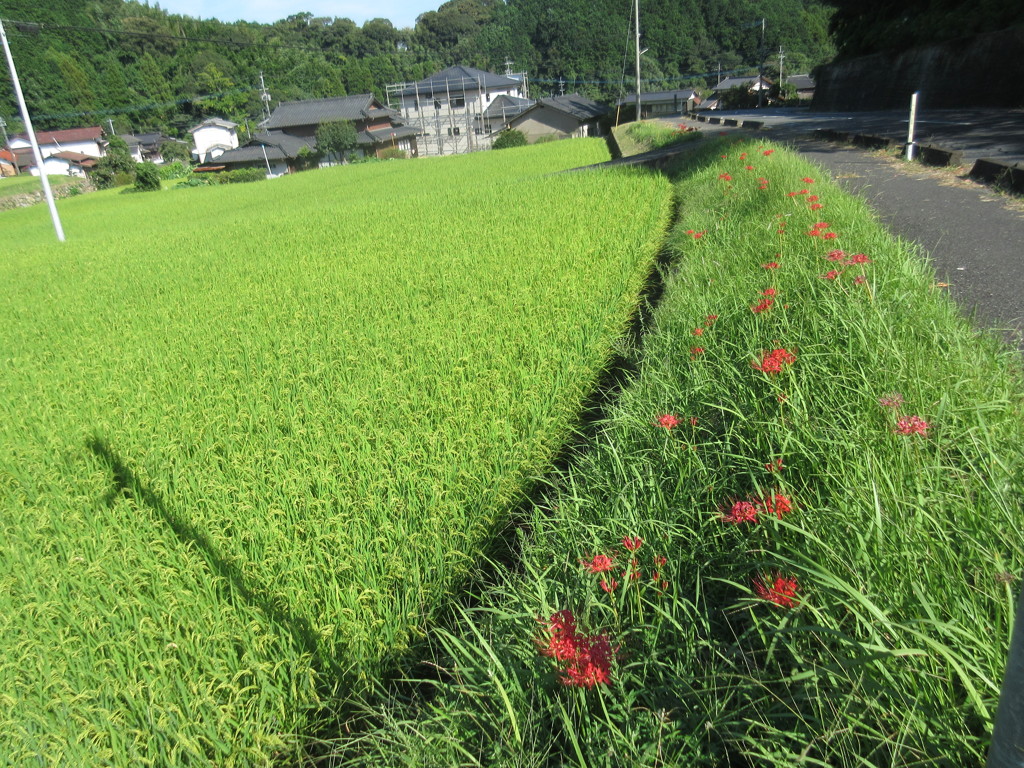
(823, 461)
(252, 436)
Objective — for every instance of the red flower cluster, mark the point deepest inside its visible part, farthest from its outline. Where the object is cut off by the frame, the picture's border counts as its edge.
(807, 180)
(778, 589)
(912, 425)
(725, 177)
(749, 511)
(836, 255)
(667, 420)
(832, 274)
(774, 466)
(816, 206)
(776, 504)
(695, 351)
(741, 512)
(587, 658)
(763, 305)
(771, 265)
(599, 564)
(632, 543)
(821, 230)
(696, 235)
(772, 362)
(812, 198)
(767, 152)
(768, 292)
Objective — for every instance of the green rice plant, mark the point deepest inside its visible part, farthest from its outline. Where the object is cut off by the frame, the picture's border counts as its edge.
(252, 437)
(827, 456)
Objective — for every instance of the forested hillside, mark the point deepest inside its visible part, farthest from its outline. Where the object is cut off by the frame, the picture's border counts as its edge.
(141, 68)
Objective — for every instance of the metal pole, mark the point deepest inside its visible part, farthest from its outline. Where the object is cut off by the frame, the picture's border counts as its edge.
(1007, 750)
(910, 133)
(761, 53)
(32, 136)
(636, 11)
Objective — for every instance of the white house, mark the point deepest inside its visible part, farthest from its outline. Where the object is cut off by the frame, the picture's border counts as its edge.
(213, 137)
(570, 116)
(448, 109)
(80, 147)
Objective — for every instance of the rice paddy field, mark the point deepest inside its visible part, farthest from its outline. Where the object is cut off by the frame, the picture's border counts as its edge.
(252, 436)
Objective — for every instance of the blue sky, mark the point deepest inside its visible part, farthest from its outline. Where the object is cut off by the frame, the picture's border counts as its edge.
(402, 13)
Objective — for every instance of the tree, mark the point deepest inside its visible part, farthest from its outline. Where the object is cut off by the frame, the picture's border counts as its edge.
(509, 138)
(336, 138)
(115, 165)
(147, 177)
(172, 151)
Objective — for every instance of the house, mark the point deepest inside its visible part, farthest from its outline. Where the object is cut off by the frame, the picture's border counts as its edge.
(560, 116)
(70, 143)
(658, 103)
(275, 152)
(145, 147)
(498, 113)
(212, 138)
(448, 108)
(753, 84)
(377, 127)
(804, 85)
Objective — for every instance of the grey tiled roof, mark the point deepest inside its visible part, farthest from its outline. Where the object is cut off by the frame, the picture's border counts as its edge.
(646, 98)
(574, 105)
(290, 114)
(279, 146)
(385, 135)
(800, 82)
(732, 82)
(506, 107)
(459, 79)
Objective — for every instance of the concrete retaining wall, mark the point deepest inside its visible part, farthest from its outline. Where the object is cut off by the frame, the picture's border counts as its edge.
(981, 71)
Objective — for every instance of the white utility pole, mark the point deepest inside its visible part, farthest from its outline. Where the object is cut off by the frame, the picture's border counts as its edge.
(781, 57)
(31, 135)
(636, 11)
(264, 98)
(910, 130)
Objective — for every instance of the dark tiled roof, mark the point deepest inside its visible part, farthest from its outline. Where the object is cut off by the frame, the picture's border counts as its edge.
(506, 107)
(574, 105)
(459, 79)
(290, 114)
(76, 158)
(385, 135)
(647, 98)
(278, 145)
(732, 82)
(800, 82)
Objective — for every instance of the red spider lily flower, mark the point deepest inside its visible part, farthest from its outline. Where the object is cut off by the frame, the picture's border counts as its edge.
(771, 265)
(836, 255)
(803, 191)
(912, 425)
(813, 198)
(632, 543)
(693, 421)
(741, 512)
(763, 186)
(563, 639)
(723, 156)
(814, 233)
(696, 351)
(668, 421)
(782, 397)
(791, 194)
(822, 225)
(860, 280)
(762, 306)
(660, 561)
(778, 589)
(609, 586)
(777, 505)
(816, 206)
(711, 318)
(768, 292)
(807, 180)
(698, 331)
(592, 664)
(599, 564)
(772, 362)
(891, 400)
(767, 152)
(829, 236)
(762, 179)
(725, 176)
(748, 167)
(859, 258)
(832, 274)
(774, 466)
(743, 155)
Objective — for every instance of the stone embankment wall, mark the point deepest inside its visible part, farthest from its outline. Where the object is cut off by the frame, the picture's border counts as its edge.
(31, 198)
(980, 71)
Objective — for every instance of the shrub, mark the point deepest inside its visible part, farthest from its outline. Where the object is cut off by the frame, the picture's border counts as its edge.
(392, 153)
(147, 177)
(509, 138)
(175, 170)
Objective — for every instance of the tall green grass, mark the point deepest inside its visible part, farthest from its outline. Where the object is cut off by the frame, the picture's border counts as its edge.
(251, 437)
(906, 548)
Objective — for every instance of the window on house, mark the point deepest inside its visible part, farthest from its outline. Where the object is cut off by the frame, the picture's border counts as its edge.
(458, 102)
(437, 104)
(453, 131)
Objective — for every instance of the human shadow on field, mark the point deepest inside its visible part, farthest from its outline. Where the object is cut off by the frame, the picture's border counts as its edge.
(127, 483)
